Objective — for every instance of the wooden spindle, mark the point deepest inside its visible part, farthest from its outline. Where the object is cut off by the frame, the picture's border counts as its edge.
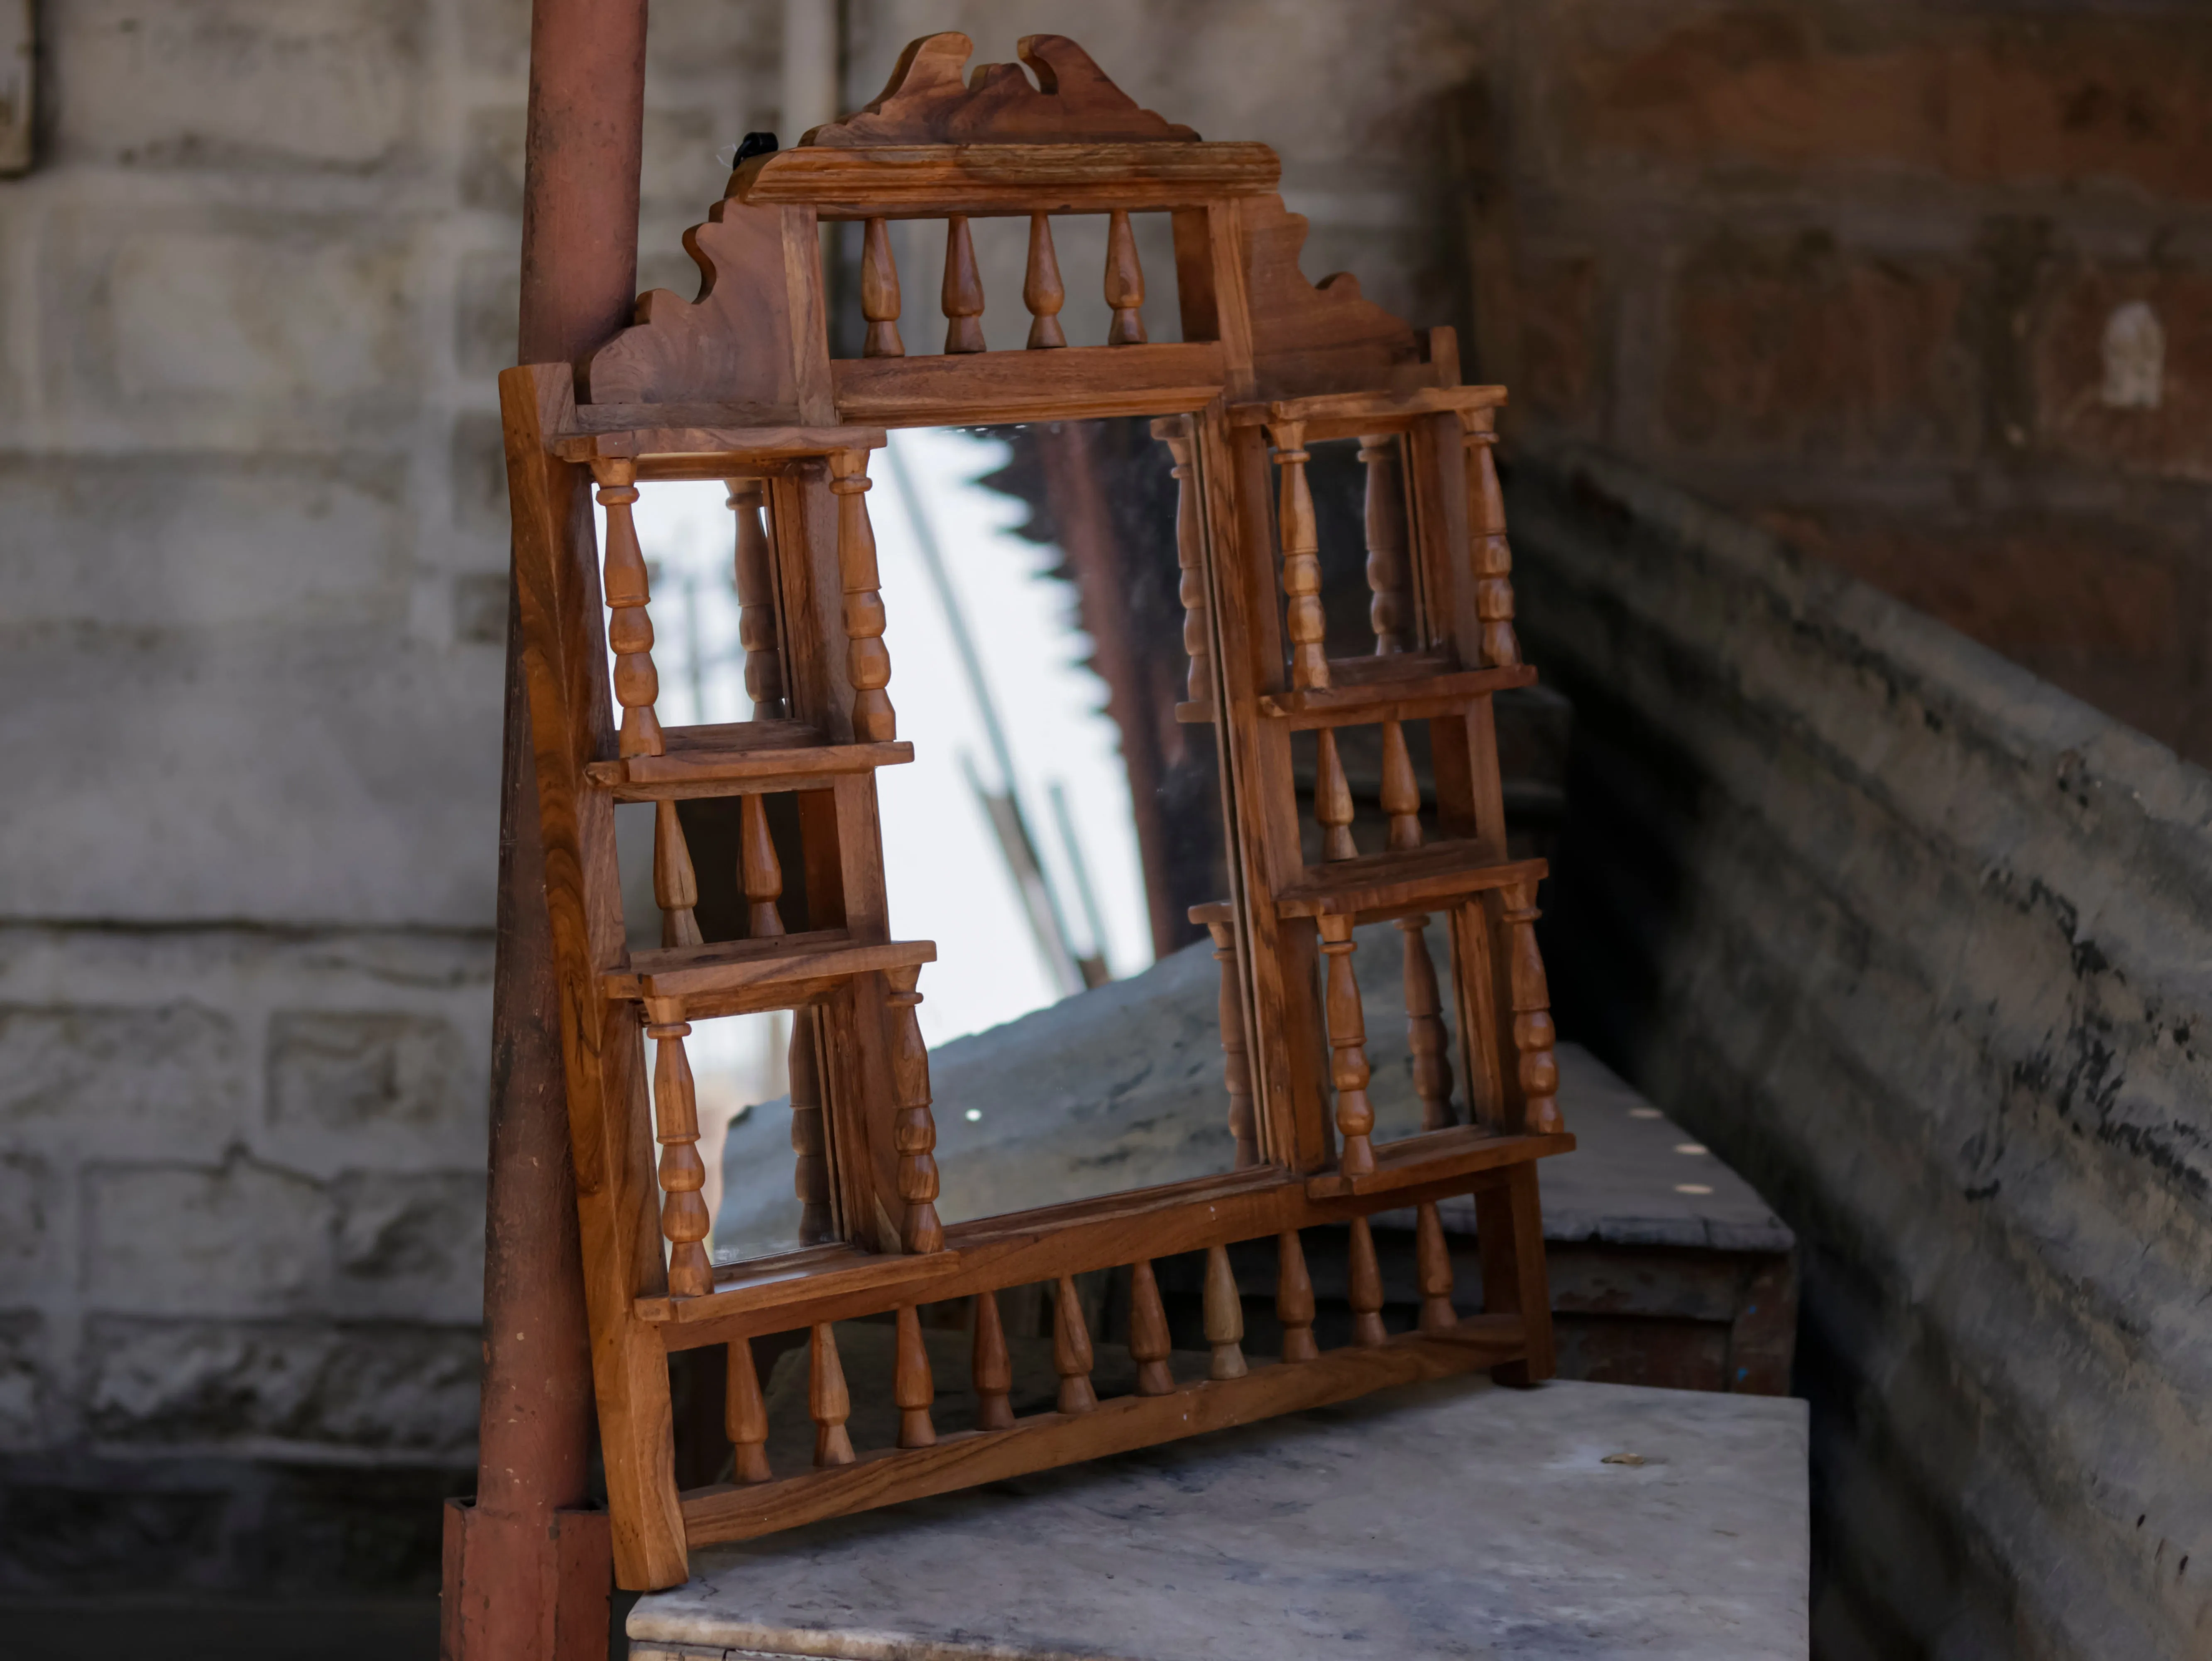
(828, 1403)
(1301, 560)
(1425, 1033)
(683, 1217)
(913, 1132)
(1332, 799)
(810, 1176)
(1294, 1299)
(1366, 1287)
(1125, 283)
(1224, 1317)
(912, 1387)
(630, 629)
(1197, 630)
(1236, 1053)
(1388, 611)
(1347, 1041)
(759, 870)
(990, 1370)
(675, 884)
(1402, 792)
(1493, 556)
(879, 293)
(1071, 1350)
(744, 1415)
(755, 579)
(962, 292)
(867, 660)
(1041, 288)
(1148, 1333)
(1433, 1270)
(1534, 1035)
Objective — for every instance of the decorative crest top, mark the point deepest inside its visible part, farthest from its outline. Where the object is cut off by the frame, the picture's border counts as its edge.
(927, 101)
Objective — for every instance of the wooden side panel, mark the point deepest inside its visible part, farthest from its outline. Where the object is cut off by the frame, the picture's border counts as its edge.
(564, 665)
(1508, 1225)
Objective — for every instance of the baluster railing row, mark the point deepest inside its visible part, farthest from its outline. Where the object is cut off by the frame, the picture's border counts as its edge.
(960, 294)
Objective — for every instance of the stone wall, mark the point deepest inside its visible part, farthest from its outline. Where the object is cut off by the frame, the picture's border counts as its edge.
(1917, 943)
(1928, 289)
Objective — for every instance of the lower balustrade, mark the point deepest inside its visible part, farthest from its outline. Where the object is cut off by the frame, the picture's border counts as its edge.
(1236, 1388)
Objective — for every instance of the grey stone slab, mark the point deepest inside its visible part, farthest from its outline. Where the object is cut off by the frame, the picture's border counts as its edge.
(1454, 1519)
(1121, 1088)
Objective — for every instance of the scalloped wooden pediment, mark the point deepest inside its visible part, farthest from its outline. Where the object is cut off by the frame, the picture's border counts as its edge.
(928, 100)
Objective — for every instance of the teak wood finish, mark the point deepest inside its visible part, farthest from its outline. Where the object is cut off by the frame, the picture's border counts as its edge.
(739, 386)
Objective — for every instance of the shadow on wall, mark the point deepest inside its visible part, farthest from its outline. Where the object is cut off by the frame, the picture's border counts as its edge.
(1915, 941)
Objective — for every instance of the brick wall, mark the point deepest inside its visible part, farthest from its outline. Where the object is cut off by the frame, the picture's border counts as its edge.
(1923, 288)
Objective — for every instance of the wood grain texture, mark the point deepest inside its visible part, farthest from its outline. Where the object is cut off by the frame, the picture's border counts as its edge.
(1042, 1441)
(928, 181)
(1043, 291)
(1080, 383)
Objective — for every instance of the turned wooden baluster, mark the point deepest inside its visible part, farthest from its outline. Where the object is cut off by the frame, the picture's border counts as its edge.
(1224, 1317)
(990, 1370)
(1300, 558)
(675, 884)
(879, 293)
(1294, 1299)
(912, 1387)
(1432, 1271)
(1366, 1287)
(1493, 556)
(683, 1217)
(1347, 1040)
(867, 660)
(1534, 1035)
(962, 294)
(828, 1403)
(756, 629)
(1308, 629)
(1389, 611)
(1236, 1052)
(1071, 1350)
(630, 629)
(1197, 635)
(759, 870)
(744, 1416)
(1148, 1333)
(1041, 289)
(913, 1132)
(1426, 1034)
(1125, 283)
(810, 1176)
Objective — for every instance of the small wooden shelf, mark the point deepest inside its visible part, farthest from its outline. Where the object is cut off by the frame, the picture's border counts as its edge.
(704, 771)
(1395, 882)
(733, 977)
(678, 431)
(1411, 698)
(1330, 409)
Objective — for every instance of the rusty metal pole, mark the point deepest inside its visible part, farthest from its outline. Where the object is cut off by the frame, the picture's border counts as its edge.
(528, 1567)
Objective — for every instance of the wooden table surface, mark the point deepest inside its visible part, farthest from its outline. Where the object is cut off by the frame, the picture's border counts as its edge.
(1456, 1519)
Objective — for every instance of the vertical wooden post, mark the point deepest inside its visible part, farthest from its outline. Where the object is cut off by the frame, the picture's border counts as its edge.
(1071, 1349)
(1388, 611)
(675, 884)
(1425, 1032)
(744, 1416)
(759, 871)
(868, 660)
(1347, 1042)
(1041, 288)
(962, 292)
(991, 1371)
(879, 294)
(912, 1388)
(1366, 1287)
(1534, 1035)
(683, 1219)
(1493, 556)
(1235, 1050)
(753, 567)
(828, 1403)
(810, 1176)
(1125, 283)
(1224, 1317)
(1432, 1270)
(629, 627)
(914, 1132)
(1190, 556)
(1294, 1299)
(1148, 1332)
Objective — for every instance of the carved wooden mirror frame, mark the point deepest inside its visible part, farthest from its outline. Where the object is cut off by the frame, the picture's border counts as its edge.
(740, 384)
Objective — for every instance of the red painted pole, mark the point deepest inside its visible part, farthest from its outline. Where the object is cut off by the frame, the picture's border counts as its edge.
(528, 1567)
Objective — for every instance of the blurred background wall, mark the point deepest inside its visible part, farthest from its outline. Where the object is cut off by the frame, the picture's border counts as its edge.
(1923, 287)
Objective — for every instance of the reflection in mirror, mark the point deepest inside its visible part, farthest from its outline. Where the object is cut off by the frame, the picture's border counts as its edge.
(1052, 834)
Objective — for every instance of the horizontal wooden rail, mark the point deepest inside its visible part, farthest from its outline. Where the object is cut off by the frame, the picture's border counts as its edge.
(656, 435)
(1363, 412)
(885, 1476)
(1413, 698)
(696, 772)
(911, 181)
(696, 974)
(1373, 883)
(1075, 383)
(843, 1283)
